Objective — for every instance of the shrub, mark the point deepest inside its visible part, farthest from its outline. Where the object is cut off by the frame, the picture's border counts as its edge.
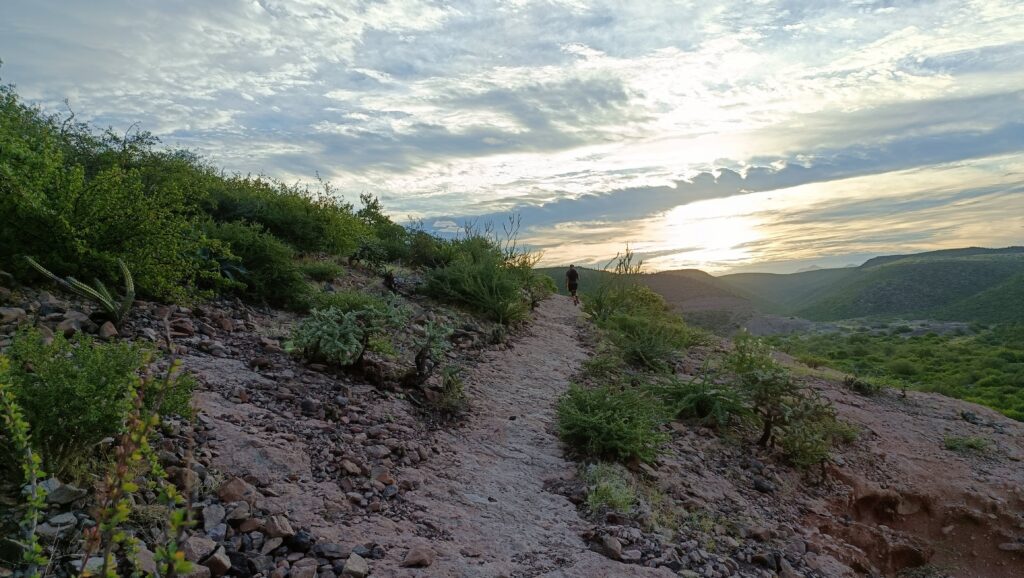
(862, 386)
(609, 487)
(451, 399)
(765, 383)
(903, 367)
(322, 271)
(115, 308)
(331, 335)
(79, 202)
(346, 301)
(485, 286)
(75, 393)
(969, 444)
(606, 366)
(269, 272)
(342, 335)
(649, 342)
(812, 361)
(309, 221)
(718, 405)
(611, 422)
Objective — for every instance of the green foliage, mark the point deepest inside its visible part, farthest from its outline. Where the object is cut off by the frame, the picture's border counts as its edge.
(17, 429)
(810, 430)
(650, 342)
(81, 202)
(322, 271)
(863, 386)
(451, 400)
(969, 444)
(74, 393)
(986, 367)
(609, 487)
(116, 308)
(309, 221)
(701, 399)
(269, 271)
(341, 333)
(612, 422)
(331, 335)
(346, 301)
(484, 277)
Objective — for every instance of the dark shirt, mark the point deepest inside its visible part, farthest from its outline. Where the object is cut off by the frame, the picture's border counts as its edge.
(573, 276)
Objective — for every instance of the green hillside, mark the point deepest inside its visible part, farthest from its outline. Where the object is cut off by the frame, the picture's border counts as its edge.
(781, 293)
(589, 278)
(972, 284)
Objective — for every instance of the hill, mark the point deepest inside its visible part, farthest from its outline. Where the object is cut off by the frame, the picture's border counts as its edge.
(972, 284)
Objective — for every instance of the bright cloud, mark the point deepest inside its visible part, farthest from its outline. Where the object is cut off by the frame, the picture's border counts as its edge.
(600, 121)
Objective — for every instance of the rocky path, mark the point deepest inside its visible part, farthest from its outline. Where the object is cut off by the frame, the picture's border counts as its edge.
(472, 497)
(488, 498)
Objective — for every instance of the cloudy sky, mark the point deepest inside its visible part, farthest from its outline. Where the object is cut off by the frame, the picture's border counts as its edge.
(727, 135)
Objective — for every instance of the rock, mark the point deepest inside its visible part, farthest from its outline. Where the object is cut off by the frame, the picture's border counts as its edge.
(198, 571)
(302, 541)
(632, 556)
(108, 331)
(236, 490)
(144, 559)
(356, 567)
(612, 547)
(12, 315)
(184, 478)
(382, 475)
(149, 334)
(63, 520)
(197, 548)
(307, 571)
(419, 556)
(351, 468)
(765, 559)
(331, 551)
(261, 564)
(239, 513)
(1012, 547)
(271, 545)
(310, 407)
(764, 486)
(93, 566)
(218, 563)
(378, 451)
(69, 327)
(61, 494)
(250, 525)
(277, 526)
(218, 533)
(212, 515)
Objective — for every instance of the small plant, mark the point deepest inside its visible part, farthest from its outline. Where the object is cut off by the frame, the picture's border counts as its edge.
(31, 466)
(701, 399)
(430, 353)
(968, 444)
(269, 272)
(451, 400)
(765, 383)
(342, 334)
(605, 367)
(619, 423)
(321, 271)
(862, 386)
(74, 393)
(609, 487)
(116, 307)
(649, 342)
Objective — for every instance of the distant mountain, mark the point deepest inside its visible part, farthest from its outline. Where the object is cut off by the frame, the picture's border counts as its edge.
(972, 284)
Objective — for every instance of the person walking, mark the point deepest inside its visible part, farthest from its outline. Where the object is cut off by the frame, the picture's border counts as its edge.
(572, 283)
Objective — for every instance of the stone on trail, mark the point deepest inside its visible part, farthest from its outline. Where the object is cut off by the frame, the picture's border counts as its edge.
(356, 567)
(197, 548)
(419, 556)
(277, 526)
(236, 490)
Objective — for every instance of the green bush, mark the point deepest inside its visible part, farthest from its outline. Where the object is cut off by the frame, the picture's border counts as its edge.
(903, 367)
(341, 336)
(309, 221)
(75, 393)
(269, 271)
(969, 444)
(322, 271)
(451, 400)
(609, 487)
(346, 301)
(78, 203)
(701, 399)
(611, 422)
(331, 335)
(649, 342)
(765, 384)
(481, 278)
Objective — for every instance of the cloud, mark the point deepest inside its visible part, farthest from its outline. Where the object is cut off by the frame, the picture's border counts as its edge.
(567, 111)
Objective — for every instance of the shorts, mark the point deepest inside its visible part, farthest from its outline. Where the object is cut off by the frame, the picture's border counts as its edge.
(573, 287)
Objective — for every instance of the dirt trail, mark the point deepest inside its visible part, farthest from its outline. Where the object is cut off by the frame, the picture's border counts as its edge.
(479, 502)
(488, 496)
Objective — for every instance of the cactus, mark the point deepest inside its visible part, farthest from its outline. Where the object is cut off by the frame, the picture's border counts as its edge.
(116, 307)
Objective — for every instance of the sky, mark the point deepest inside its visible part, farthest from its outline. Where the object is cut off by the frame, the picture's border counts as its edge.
(725, 135)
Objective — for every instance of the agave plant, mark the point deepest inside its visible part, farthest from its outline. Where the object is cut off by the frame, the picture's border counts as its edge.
(115, 306)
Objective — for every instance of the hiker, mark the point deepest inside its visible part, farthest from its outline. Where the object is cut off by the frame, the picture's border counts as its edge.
(572, 282)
